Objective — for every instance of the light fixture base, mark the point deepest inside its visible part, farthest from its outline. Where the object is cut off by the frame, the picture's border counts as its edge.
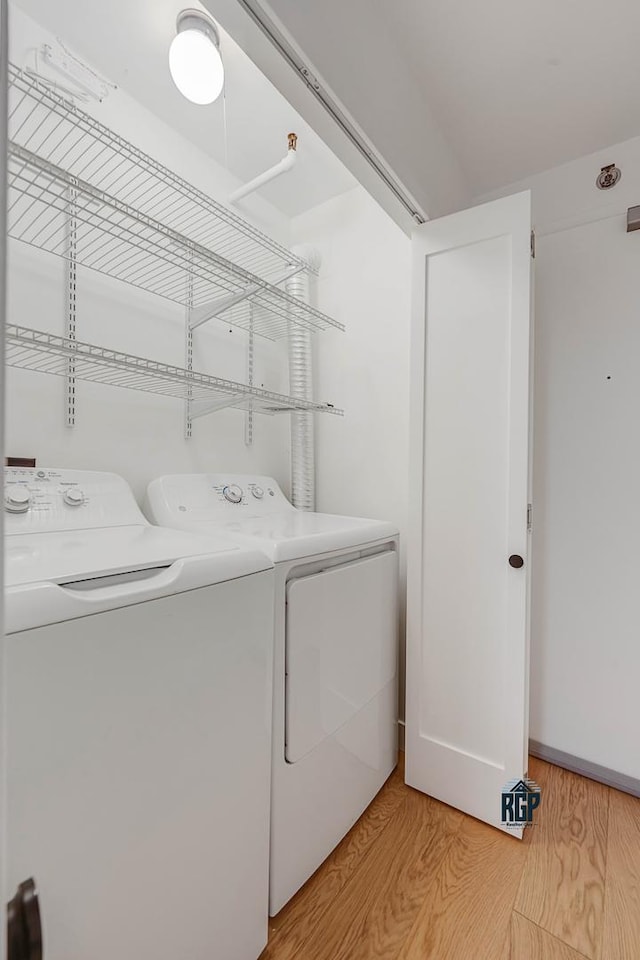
(192, 19)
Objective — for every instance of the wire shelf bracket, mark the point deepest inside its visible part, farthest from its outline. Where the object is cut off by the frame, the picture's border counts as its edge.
(209, 311)
(230, 401)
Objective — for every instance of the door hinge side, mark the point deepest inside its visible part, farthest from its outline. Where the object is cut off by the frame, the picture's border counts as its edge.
(529, 517)
(533, 244)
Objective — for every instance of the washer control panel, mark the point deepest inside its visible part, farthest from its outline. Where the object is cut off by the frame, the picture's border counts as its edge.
(39, 500)
(214, 496)
(250, 494)
(234, 493)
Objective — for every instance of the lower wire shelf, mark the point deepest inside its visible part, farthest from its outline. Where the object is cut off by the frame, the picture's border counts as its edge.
(47, 353)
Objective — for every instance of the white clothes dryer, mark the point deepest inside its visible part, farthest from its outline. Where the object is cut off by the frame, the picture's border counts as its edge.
(130, 650)
(335, 665)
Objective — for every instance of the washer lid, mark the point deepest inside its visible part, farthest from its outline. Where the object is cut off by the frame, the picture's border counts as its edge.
(73, 555)
(254, 511)
(293, 535)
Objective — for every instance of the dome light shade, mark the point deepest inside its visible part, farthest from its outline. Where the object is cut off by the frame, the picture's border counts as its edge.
(194, 58)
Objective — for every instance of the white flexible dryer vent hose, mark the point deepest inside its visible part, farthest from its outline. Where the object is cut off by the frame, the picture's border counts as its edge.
(303, 486)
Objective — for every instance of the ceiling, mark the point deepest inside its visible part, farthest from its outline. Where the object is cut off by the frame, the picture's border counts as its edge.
(246, 131)
(518, 87)
(515, 87)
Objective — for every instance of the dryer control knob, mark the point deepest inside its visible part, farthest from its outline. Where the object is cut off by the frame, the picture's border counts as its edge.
(233, 493)
(258, 492)
(18, 499)
(73, 497)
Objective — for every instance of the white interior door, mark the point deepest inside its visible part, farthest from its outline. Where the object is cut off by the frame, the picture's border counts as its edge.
(467, 643)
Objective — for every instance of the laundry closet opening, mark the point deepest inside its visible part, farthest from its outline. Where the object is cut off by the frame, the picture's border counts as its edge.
(200, 293)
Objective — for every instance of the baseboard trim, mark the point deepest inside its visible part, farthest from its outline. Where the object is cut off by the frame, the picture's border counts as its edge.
(593, 771)
(621, 781)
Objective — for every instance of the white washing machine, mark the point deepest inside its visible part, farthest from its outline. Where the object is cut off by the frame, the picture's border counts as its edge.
(335, 666)
(131, 651)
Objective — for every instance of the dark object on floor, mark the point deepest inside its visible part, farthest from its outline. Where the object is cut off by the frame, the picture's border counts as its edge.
(24, 931)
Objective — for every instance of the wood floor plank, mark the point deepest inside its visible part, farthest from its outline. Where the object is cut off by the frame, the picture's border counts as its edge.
(621, 935)
(562, 886)
(526, 941)
(375, 911)
(467, 908)
(416, 880)
(304, 911)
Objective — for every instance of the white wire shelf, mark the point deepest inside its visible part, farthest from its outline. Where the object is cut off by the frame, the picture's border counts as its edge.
(137, 221)
(113, 238)
(47, 353)
(59, 131)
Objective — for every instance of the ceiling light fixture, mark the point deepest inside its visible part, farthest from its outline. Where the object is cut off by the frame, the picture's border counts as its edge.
(194, 58)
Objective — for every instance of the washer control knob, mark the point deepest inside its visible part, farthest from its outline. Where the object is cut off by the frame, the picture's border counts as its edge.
(73, 497)
(233, 493)
(18, 499)
(258, 492)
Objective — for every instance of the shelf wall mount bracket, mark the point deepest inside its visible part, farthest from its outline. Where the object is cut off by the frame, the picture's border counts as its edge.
(209, 311)
(231, 401)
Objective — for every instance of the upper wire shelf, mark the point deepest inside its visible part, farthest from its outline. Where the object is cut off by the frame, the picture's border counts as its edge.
(47, 353)
(111, 237)
(139, 222)
(58, 130)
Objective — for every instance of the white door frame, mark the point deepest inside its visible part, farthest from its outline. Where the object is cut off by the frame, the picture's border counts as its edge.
(4, 77)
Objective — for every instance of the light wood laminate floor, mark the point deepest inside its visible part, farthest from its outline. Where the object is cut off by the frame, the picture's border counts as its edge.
(416, 880)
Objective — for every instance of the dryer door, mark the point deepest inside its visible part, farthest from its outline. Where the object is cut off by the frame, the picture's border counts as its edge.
(342, 640)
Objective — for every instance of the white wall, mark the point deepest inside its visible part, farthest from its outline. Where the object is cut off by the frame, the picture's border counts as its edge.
(585, 628)
(134, 434)
(362, 459)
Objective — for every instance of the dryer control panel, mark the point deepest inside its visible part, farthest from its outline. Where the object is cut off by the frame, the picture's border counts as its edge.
(37, 500)
(215, 496)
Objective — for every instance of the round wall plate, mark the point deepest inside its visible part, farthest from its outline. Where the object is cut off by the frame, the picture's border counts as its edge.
(608, 177)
